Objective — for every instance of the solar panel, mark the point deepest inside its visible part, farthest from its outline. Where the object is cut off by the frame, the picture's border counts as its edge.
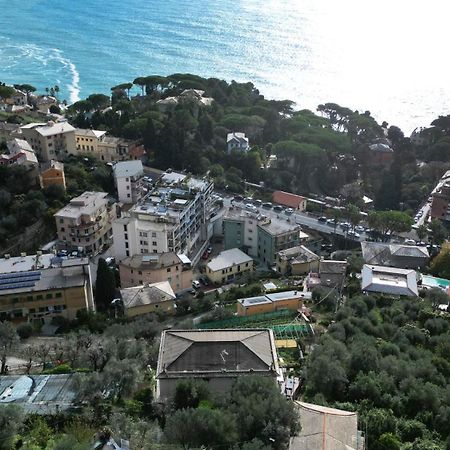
(20, 274)
(16, 285)
(19, 280)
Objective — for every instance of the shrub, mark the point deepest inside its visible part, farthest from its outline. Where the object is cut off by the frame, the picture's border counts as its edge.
(25, 331)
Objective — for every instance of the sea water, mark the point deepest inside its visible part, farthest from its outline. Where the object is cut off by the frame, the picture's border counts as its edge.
(388, 57)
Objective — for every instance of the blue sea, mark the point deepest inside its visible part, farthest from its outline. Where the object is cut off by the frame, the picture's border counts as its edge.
(389, 57)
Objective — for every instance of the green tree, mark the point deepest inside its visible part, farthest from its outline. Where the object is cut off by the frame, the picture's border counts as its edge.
(6, 91)
(105, 286)
(422, 232)
(8, 339)
(385, 222)
(10, 421)
(194, 428)
(438, 231)
(190, 393)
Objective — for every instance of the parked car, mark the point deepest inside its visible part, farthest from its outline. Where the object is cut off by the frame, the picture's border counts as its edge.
(250, 207)
(410, 242)
(209, 250)
(359, 229)
(238, 198)
(278, 208)
(205, 255)
(331, 222)
(289, 211)
(257, 203)
(267, 205)
(322, 219)
(204, 281)
(196, 284)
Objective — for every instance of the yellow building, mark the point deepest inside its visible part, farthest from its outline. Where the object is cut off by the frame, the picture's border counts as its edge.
(52, 173)
(292, 300)
(153, 298)
(39, 287)
(296, 261)
(227, 265)
(51, 140)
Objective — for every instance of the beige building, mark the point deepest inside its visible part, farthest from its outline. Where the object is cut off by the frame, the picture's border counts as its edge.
(106, 148)
(51, 140)
(296, 261)
(155, 268)
(227, 265)
(218, 357)
(40, 287)
(52, 173)
(148, 299)
(85, 223)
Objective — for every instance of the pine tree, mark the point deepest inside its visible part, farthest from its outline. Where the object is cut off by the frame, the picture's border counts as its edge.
(105, 286)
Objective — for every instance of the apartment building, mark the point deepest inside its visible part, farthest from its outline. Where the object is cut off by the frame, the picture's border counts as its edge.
(172, 217)
(19, 153)
(227, 265)
(259, 236)
(51, 140)
(146, 269)
(440, 203)
(106, 148)
(85, 223)
(38, 287)
(128, 180)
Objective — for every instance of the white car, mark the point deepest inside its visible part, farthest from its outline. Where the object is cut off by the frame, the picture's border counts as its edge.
(289, 211)
(250, 207)
(410, 242)
(196, 284)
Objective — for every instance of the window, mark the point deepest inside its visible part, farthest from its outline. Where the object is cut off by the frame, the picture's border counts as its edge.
(39, 297)
(127, 253)
(58, 295)
(49, 295)
(126, 235)
(176, 268)
(168, 269)
(155, 251)
(126, 244)
(127, 179)
(128, 187)
(61, 220)
(140, 272)
(153, 234)
(124, 228)
(154, 243)
(140, 282)
(30, 298)
(128, 195)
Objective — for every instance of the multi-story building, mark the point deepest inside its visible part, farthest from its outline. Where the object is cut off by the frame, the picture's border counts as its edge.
(297, 261)
(20, 153)
(259, 236)
(440, 205)
(172, 217)
(106, 148)
(128, 180)
(227, 265)
(51, 140)
(40, 287)
(237, 142)
(144, 269)
(85, 223)
(52, 173)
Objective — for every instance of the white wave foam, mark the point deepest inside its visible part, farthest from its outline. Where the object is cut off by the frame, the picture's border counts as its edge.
(74, 86)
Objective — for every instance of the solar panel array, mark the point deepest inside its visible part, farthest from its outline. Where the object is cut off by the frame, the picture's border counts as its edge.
(19, 280)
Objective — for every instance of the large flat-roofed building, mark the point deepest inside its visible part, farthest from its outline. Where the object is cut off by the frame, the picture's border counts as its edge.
(172, 217)
(218, 357)
(127, 177)
(148, 299)
(86, 222)
(39, 287)
(155, 268)
(389, 280)
(292, 300)
(227, 265)
(259, 236)
(51, 140)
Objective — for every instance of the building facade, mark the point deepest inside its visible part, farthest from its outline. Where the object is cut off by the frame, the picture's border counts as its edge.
(40, 287)
(294, 201)
(292, 300)
(297, 261)
(237, 142)
(52, 173)
(147, 269)
(227, 265)
(51, 140)
(172, 217)
(85, 223)
(128, 180)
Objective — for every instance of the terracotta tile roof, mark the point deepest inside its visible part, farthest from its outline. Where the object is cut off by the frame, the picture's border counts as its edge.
(287, 199)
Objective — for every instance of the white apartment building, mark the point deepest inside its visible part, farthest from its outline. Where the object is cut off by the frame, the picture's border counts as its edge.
(127, 178)
(170, 218)
(85, 223)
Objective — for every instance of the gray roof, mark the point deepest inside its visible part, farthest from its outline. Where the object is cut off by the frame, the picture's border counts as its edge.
(147, 295)
(389, 280)
(38, 394)
(299, 254)
(216, 353)
(128, 169)
(331, 266)
(276, 297)
(228, 258)
(151, 261)
(394, 255)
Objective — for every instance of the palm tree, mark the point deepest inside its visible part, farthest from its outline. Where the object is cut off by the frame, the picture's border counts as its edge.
(56, 88)
(47, 90)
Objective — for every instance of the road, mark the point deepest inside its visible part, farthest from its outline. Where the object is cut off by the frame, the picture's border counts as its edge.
(302, 219)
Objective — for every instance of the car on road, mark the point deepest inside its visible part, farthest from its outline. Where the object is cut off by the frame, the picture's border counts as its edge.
(278, 208)
(257, 202)
(359, 229)
(267, 205)
(238, 198)
(289, 211)
(353, 233)
(209, 250)
(196, 284)
(322, 219)
(331, 222)
(205, 255)
(250, 207)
